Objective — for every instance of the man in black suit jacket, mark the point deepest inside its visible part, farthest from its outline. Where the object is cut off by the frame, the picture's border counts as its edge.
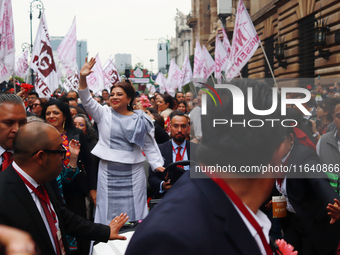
(179, 129)
(38, 160)
(309, 192)
(12, 116)
(197, 215)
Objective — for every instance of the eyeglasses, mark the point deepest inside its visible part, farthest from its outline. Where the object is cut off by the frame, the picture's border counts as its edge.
(35, 105)
(62, 152)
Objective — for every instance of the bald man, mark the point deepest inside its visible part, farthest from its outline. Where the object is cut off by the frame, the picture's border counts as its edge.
(27, 201)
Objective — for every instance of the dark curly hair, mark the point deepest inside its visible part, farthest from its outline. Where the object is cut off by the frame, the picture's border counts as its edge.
(64, 108)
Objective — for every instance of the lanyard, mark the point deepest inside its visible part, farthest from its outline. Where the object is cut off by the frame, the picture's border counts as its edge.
(173, 148)
(41, 196)
(237, 201)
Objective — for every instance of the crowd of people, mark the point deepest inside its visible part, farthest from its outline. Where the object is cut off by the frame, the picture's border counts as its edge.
(85, 164)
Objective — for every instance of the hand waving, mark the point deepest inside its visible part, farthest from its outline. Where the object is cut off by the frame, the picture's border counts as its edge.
(86, 69)
(115, 226)
(74, 148)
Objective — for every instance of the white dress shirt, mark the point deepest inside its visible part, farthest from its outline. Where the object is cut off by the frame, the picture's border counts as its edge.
(37, 202)
(2, 150)
(262, 220)
(185, 157)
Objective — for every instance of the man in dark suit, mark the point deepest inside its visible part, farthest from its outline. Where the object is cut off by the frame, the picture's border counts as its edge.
(28, 202)
(219, 214)
(12, 116)
(307, 226)
(178, 148)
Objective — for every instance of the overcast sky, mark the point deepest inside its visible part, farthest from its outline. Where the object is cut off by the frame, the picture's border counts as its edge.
(109, 26)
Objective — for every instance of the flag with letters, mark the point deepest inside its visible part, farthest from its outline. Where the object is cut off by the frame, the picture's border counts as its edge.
(111, 73)
(96, 80)
(21, 64)
(186, 72)
(42, 62)
(245, 42)
(67, 55)
(7, 44)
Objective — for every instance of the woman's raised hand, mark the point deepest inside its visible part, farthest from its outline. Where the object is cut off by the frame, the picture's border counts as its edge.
(86, 69)
(74, 147)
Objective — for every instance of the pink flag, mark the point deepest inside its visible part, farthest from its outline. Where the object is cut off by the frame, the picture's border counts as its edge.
(221, 58)
(42, 62)
(67, 50)
(67, 55)
(161, 81)
(174, 78)
(7, 48)
(209, 64)
(151, 88)
(198, 61)
(226, 43)
(21, 64)
(245, 42)
(95, 80)
(187, 72)
(72, 82)
(111, 73)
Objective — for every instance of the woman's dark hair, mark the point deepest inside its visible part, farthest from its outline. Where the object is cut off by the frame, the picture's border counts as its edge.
(183, 102)
(129, 91)
(167, 99)
(151, 110)
(78, 109)
(159, 119)
(90, 131)
(328, 105)
(64, 108)
(64, 99)
(43, 101)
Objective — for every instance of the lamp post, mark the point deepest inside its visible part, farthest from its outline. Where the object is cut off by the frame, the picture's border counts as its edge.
(25, 46)
(151, 60)
(40, 6)
(280, 52)
(80, 55)
(161, 41)
(320, 32)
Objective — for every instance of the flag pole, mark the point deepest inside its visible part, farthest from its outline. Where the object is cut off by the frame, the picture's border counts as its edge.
(270, 68)
(14, 85)
(224, 77)
(213, 79)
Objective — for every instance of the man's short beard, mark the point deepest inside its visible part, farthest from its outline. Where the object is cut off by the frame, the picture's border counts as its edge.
(179, 140)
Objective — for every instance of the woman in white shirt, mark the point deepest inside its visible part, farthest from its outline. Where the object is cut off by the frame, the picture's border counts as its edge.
(123, 134)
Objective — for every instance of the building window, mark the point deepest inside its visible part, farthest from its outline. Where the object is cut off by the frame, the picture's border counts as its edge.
(269, 49)
(306, 47)
(244, 71)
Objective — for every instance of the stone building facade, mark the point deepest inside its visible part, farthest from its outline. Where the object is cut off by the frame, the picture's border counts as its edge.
(291, 21)
(180, 45)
